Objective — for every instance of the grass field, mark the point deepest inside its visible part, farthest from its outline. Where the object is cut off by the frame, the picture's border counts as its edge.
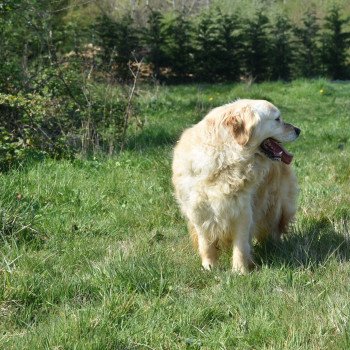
(95, 254)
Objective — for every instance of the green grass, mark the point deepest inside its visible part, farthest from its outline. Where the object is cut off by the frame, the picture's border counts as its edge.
(95, 255)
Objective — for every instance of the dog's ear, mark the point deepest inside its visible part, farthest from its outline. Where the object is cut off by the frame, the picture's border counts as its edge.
(240, 123)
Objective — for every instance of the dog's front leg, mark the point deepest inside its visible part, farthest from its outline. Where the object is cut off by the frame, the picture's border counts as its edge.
(242, 261)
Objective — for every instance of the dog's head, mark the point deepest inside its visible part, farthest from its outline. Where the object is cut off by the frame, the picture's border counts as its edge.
(257, 126)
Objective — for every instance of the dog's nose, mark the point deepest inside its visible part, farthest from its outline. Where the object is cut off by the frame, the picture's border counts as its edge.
(297, 131)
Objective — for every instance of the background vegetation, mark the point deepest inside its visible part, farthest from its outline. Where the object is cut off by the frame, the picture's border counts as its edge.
(71, 69)
(93, 251)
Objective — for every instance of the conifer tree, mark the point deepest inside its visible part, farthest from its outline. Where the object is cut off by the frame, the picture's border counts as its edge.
(155, 41)
(308, 63)
(119, 41)
(217, 47)
(281, 49)
(178, 46)
(231, 39)
(105, 29)
(257, 47)
(207, 47)
(335, 46)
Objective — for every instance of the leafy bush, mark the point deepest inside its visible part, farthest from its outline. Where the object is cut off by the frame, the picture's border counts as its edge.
(30, 125)
(105, 118)
(70, 114)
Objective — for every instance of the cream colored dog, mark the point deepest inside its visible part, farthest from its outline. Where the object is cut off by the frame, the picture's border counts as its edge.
(233, 180)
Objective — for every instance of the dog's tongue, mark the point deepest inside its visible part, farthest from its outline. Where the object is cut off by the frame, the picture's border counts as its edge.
(278, 151)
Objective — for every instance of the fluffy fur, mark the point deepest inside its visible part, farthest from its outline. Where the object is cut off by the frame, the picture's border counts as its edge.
(227, 188)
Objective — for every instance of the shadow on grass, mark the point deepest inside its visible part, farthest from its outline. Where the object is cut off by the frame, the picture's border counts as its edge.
(311, 244)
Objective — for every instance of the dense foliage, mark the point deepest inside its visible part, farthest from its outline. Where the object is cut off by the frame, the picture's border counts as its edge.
(214, 46)
(336, 44)
(68, 85)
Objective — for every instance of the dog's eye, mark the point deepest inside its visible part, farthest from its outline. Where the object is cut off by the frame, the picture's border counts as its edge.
(278, 119)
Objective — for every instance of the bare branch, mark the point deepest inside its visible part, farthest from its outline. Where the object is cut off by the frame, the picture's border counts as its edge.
(128, 106)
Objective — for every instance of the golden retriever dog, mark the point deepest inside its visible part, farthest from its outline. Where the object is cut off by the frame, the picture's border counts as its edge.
(233, 179)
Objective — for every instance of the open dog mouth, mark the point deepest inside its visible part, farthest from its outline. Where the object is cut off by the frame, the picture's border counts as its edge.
(274, 150)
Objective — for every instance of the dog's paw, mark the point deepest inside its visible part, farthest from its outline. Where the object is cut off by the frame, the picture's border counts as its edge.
(243, 267)
(207, 265)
